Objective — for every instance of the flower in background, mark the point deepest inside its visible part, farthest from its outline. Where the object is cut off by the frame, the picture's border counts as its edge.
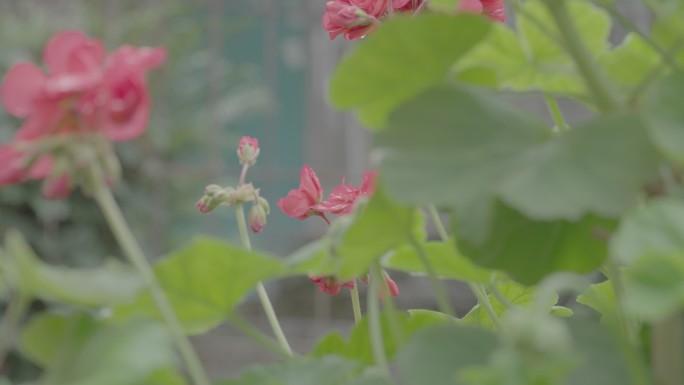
(494, 9)
(331, 285)
(248, 150)
(299, 203)
(83, 90)
(343, 17)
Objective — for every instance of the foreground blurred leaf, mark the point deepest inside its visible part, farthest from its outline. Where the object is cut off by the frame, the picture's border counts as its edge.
(358, 345)
(399, 60)
(650, 241)
(77, 350)
(328, 370)
(378, 228)
(106, 285)
(204, 282)
(666, 117)
(601, 298)
(443, 257)
(452, 145)
(529, 250)
(515, 295)
(562, 178)
(435, 355)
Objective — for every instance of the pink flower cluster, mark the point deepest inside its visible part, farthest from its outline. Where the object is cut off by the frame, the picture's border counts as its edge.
(84, 90)
(307, 200)
(357, 18)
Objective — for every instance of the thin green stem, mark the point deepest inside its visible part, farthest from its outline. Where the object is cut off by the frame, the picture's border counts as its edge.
(261, 290)
(440, 292)
(627, 334)
(14, 312)
(256, 334)
(483, 299)
(131, 248)
(602, 90)
(441, 230)
(356, 302)
(478, 290)
(556, 114)
(374, 324)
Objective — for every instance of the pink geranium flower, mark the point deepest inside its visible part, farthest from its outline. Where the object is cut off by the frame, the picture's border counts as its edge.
(299, 203)
(494, 9)
(331, 285)
(343, 197)
(83, 90)
(343, 17)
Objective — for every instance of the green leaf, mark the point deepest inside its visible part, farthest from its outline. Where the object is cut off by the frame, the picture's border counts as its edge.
(602, 361)
(329, 370)
(529, 250)
(539, 31)
(443, 5)
(514, 293)
(204, 282)
(435, 355)
(665, 116)
(107, 285)
(443, 257)
(358, 345)
(404, 56)
(654, 286)
(378, 228)
(656, 228)
(597, 168)
(453, 145)
(77, 350)
(642, 59)
(601, 298)
(371, 376)
(428, 317)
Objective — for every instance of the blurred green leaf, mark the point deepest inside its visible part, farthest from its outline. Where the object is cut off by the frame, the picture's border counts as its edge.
(638, 53)
(665, 117)
(329, 370)
(106, 285)
(204, 282)
(562, 180)
(77, 350)
(654, 286)
(453, 145)
(371, 376)
(404, 56)
(529, 250)
(514, 293)
(378, 227)
(656, 228)
(435, 355)
(358, 345)
(601, 298)
(443, 257)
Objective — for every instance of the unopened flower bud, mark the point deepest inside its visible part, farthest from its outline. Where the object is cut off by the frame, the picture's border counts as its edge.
(206, 204)
(257, 218)
(248, 150)
(264, 204)
(224, 195)
(211, 189)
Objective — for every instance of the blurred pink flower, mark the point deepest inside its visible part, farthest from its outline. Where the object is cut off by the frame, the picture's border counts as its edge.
(494, 9)
(343, 197)
(330, 285)
(343, 17)
(300, 203)
(83, 90)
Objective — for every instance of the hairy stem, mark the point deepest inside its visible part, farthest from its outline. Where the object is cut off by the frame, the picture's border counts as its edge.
(254, 333)
(261, 290)
(131, 248)
(440, 292)
(556, 114)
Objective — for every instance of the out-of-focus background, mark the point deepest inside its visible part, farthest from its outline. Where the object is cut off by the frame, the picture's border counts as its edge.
(236, 67)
